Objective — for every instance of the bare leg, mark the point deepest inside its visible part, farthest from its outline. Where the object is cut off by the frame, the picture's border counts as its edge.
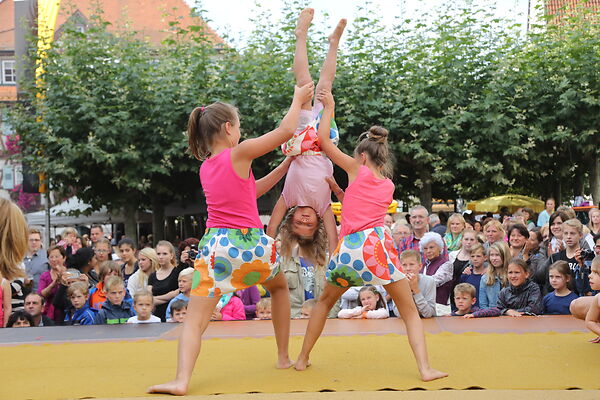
(199, 312)
(301, 71)
(579, 307)
(331, 229)
(328, 68)
(280, 296)
(400, 292)
(316, 323)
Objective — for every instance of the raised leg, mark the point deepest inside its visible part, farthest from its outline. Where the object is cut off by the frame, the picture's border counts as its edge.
(318, 316)
(301, 70)
(328, 68)
(400, 292)
(280, 316)
(198, 315)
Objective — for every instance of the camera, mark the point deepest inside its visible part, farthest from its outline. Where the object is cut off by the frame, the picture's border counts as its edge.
(193, 252)
(587, 254)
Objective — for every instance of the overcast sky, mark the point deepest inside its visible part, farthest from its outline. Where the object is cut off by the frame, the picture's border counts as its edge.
(232, 16)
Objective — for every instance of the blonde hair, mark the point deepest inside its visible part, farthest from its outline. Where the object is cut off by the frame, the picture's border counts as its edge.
(142, 293)
(169, 245)
(502, 248)
(410, 254)
(150, 254)
(596, 265)
(497, 224)
(189, 271)
(465, 288)
(590, 213)
(13, 240)
(458, 217)
(264, 304)
(575, 224)
(114, 281)
(106, 268)
(69, 231)
(314, 248)
(478, 247)
(77, 286)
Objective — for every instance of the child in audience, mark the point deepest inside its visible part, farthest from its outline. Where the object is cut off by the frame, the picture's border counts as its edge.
(307, 307)
(114, 310)
(79, 313)
(185, 286)
(229, 308)
(127, 249)
(19, 319)
(143, 303)
(148, 263)
(495, 277)
(263, 309)
(478, 268)
(371, 305)
(422, 286)
(520, 298)
(592, 319)
(178, 311)
(558, 301)
(98, 292)
(465, 299)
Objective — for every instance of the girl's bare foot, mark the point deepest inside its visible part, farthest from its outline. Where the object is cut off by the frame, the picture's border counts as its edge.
(284, 363)
(432, 374)
(174, 387)
(304, 21)
(301, 364)
(337, 32)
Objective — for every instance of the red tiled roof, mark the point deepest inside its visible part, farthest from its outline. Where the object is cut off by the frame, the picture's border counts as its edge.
(7, 25)
(559, 8)
(150, 18)
(8, 93)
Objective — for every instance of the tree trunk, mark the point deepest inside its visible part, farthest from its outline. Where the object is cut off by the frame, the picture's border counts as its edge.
(595, 179)
(158, 221)
(130, 222)
(170, 234)
(557, 192)
(188, 227)
(425, 193)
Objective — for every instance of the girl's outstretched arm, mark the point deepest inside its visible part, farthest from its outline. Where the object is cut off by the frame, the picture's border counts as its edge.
(276, 217)
(243, 154)
(341, 159)
(264, 184)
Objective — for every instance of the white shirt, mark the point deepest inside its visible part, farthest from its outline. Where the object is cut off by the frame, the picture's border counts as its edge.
(135, 320)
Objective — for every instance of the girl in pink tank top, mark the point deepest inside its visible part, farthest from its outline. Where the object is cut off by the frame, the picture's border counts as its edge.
(365, 253)
(234, 253)
(305, 202)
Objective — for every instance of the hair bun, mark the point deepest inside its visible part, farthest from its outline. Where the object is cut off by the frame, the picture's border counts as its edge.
(378, 134)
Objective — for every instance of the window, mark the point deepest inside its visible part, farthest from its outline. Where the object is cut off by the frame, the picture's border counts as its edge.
(9, 76)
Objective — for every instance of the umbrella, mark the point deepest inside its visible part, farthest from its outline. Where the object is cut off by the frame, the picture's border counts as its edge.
(511, 201)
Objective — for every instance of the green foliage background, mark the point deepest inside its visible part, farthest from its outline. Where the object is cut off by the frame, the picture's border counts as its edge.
(474, 107)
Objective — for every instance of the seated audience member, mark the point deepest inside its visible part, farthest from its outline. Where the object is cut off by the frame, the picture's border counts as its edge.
(78, 267)
(307, 308)
(79, 312)
(535, 252)
(184, 283)
(400, 232)
(558, 301)
(178, 311)
(69, 241)
(147, 263)
(103, 252)
(493, 232)
(36, 259)
(465, 299)
(350, 297)
(50, 281)
(304, 271)
(127, 250)
(544, 216)
(371, 305)
(495, 278)
(476, 270)
(555, 243)
(229, 308)
(592, 318)
(388, 220)
(98, 293)
(422, 286)
(263, 309)
(528, 215)
(518, 235)
(249, 296)
(188, 250)
(143, 303)
(34, 304)
(437, 265)
(19, 319)
(521, 297)
(114, 310)
(453, 237)
(461, 258)
(435, 225)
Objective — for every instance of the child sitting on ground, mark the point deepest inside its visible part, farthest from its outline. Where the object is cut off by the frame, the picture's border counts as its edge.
(421, 286)
(521, 297)
(178, 311)
(307, 307)
(229, 308)
(371, 305)
(477, 268)
(558, 301)
(592, 319)
(263, 309)
(114, 310)
(465, 299)
(184, 283)
(143, 303)
(79, 313)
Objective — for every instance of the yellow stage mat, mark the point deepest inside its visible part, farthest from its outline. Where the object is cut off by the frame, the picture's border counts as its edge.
(341, 363)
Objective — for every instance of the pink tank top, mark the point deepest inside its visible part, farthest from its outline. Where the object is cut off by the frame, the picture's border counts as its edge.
(305, 183)
(366, 202)
(230, 200)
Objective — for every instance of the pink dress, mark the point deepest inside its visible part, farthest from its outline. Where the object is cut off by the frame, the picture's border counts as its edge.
(45, 281)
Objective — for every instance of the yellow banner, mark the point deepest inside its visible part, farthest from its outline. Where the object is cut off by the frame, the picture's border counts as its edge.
(47, 14)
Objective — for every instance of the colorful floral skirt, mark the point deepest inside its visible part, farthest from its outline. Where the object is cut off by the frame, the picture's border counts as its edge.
(233, 259)
(305, 140)
(365, 258)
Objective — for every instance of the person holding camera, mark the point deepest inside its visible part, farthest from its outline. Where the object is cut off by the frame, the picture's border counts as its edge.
(188, 250)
